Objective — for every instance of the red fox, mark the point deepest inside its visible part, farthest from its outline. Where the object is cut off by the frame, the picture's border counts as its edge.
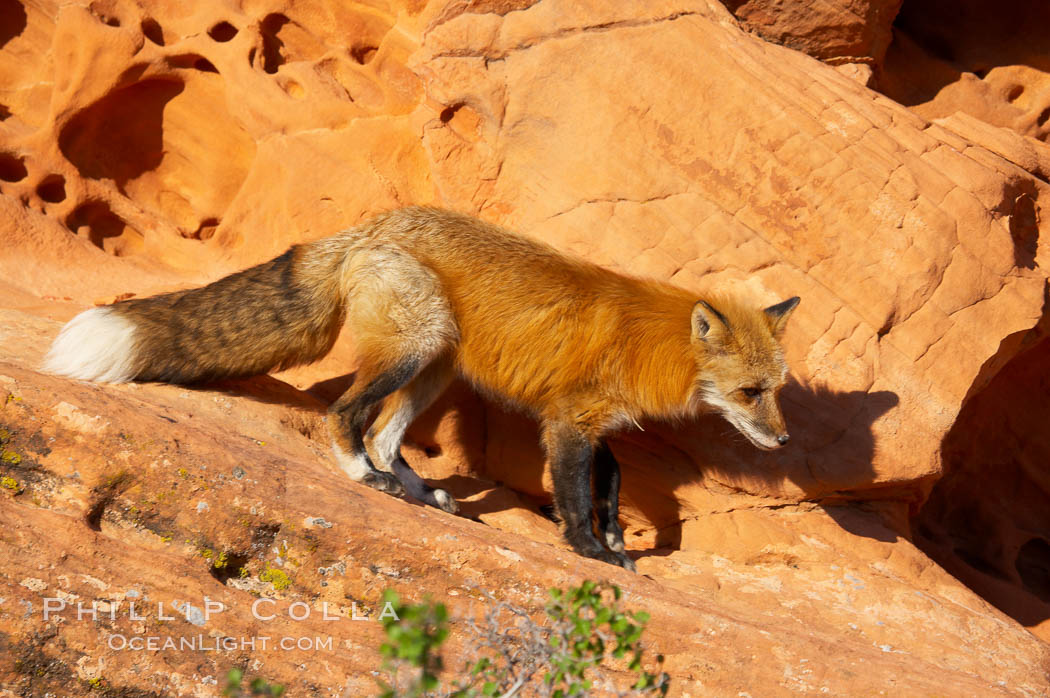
(429, 294)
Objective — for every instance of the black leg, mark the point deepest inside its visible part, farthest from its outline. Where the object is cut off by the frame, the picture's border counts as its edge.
(571, 458)
(607, 496)
(347, 420)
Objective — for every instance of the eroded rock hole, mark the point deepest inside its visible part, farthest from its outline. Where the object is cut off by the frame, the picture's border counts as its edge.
(204, 65)
(448, 113)
(1043, 117)
(52, 189)
(226, 566)
(12, 20)
(205, 230)
(222, 32)
(152, 31)
(4, 112)
(12, 168)
(295, 90)
(1015, 92)
(194, 61)
(273, 57)
(121, 136)
(364, 53)
(106, 18)
(104, 229)
(1033, 564)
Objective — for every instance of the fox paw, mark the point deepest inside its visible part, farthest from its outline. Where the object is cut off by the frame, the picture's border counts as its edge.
(445, 501)
(625, 562)
(384, 482)
(614, 558)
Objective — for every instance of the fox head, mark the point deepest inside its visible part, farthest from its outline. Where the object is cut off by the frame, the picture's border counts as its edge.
(742, 366)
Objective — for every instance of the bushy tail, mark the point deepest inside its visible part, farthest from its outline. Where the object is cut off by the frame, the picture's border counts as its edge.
(278, 314)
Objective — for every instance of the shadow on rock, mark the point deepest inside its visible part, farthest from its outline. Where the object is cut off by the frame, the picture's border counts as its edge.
(830, 457)
(266, 389)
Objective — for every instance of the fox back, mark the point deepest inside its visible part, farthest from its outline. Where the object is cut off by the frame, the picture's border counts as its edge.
(562, 337)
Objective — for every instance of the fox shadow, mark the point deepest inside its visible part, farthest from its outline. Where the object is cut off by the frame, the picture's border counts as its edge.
(267, 389)
(830, 455)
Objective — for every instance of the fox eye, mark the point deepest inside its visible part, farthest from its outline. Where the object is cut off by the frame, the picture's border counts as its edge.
(751, 393)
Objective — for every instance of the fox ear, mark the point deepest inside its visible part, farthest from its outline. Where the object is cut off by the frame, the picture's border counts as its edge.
(779, 313)
(708, 323)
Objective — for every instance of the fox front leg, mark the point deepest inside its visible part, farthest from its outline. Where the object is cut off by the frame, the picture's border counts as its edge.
(572, 458)
(607, 497)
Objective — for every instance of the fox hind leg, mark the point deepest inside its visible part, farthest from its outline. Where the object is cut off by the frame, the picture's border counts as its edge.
(401, 321)
(399, 410)
(346, 422)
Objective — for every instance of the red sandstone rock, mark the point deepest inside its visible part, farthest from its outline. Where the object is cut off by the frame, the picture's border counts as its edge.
(145, 148)
(839, 31)
(163, 495)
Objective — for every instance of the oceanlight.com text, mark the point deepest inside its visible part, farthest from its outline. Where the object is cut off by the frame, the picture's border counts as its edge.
(202, 643)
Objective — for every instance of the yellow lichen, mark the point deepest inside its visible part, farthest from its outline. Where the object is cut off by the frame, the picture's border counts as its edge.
(220, 561)
(11, 458)
(9, 483)
(276, 577)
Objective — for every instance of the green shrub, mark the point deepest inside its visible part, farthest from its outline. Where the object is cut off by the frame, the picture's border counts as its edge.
(586, 638)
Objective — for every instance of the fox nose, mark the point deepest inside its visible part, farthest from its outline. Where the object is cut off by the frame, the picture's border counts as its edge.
(783, 439)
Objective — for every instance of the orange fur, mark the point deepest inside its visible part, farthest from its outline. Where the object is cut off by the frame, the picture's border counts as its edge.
(563, 338)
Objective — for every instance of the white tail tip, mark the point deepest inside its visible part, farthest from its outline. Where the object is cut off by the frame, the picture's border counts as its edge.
(96, 345)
